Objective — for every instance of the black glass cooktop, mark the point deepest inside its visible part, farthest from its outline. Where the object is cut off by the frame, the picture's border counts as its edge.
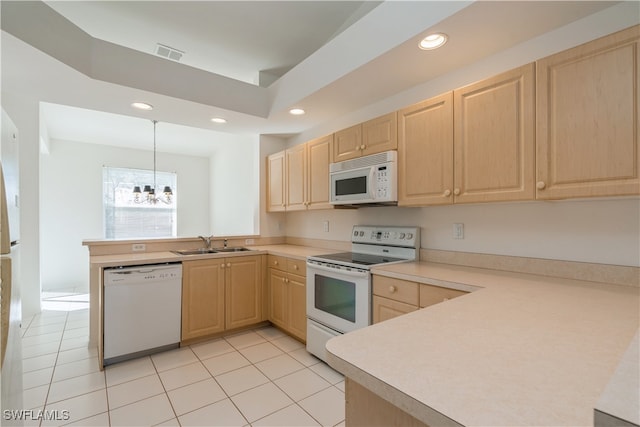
(357, 258)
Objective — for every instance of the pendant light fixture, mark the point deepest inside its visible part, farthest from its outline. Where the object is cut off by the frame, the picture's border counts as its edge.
(148, 194)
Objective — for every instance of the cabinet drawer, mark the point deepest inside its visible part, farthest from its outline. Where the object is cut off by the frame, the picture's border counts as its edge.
(430, 294)
(297, 266)
(278, 262)
(395, 289)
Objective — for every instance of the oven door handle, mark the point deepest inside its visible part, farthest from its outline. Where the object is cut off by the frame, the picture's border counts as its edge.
(335, 271)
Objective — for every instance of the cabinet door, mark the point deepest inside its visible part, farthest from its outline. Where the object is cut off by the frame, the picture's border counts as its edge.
(243, 291)
(380, 134)
(347, 143)
(430, 294)
(277, 297)
(297, 306)
(494, 145)
(384, 309)
(276, 182)
(588, 114)
(202, 298)
(425, 152)
(296, 181)
(320, 155)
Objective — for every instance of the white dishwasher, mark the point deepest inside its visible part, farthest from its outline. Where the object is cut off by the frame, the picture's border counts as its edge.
(142, 310)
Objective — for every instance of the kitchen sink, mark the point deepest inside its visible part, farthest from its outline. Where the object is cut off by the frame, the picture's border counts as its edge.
(200, 251)
(203, 251)
(239, 249)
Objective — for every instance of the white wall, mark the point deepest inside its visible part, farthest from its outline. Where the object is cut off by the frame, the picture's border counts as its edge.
(598, 231)
(235, 175)
(71, 202)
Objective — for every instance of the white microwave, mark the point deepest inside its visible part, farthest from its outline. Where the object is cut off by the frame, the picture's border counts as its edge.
(366, 180)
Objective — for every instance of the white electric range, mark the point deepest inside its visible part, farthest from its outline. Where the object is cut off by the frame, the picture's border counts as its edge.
(339, 284)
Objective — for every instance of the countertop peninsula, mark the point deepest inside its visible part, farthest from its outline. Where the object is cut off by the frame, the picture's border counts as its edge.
(520, 349)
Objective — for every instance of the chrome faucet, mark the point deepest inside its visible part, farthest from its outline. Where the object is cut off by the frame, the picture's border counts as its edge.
(207, 241)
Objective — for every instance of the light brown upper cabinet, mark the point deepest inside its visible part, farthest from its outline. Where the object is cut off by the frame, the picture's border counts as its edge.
(425, 152)
(371, 137)
(319, 155)
(494, 138)
(276, 201)
(588, 114)
(304, 170)
(296, 178)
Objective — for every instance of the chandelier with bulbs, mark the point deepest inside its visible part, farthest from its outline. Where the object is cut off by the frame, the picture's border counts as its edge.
(148, 194)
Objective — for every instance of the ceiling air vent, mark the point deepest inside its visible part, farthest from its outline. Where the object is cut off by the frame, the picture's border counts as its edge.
(168, 52)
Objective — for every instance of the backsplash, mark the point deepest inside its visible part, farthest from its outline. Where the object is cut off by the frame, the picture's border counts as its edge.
(604, 231)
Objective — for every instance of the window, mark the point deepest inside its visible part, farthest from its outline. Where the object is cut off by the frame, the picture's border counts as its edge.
(123, 217)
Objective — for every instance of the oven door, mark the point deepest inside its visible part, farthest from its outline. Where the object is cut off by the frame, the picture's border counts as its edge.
(353, 186)
(338, 298)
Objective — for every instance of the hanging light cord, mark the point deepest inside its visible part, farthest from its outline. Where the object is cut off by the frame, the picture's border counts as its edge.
(154, 158)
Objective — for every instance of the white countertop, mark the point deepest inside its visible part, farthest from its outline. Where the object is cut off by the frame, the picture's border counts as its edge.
(291, 251)
(521, 350)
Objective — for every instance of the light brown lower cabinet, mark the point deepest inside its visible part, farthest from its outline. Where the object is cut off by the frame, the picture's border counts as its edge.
(287, 295)
(385, 309)
(221, 294)
(243, 291)
(395, 297)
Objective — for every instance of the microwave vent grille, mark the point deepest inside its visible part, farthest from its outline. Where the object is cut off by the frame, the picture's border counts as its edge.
(366, 161)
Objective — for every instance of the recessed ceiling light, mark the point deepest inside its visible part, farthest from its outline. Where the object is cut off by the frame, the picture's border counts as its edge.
(433, 41)
(219, 120)
(142, 106)
(296, 111)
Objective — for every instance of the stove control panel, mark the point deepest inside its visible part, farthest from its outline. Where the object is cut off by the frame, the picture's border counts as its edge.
(388, 235)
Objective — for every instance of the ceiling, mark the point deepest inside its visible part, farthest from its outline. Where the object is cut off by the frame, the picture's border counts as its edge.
(248, 62)
(235, 39)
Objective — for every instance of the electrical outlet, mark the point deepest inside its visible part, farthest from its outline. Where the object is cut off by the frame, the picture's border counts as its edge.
(249, 241)
(138, 247)
(458, 231)
(325, 226)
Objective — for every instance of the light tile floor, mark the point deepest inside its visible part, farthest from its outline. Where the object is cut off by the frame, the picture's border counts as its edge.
(260, 377)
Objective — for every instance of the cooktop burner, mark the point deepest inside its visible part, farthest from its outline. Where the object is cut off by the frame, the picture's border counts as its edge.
(358, 258)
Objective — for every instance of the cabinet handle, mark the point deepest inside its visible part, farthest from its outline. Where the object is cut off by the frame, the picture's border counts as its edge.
(541, 185)
(447, 192)
(295, 267)
(275, 262)
(283, 280)
(456, 191)
(362, 147)
(392, 289)
(228, 264)
(222, 266)
(286, 280)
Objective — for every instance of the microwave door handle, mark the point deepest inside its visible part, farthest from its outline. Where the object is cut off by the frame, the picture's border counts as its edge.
(371, 186)
(342, 272)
